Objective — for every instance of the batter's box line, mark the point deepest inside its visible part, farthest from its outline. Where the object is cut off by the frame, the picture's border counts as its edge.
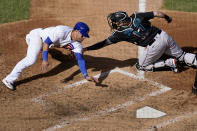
(117, 70)
(163, 89)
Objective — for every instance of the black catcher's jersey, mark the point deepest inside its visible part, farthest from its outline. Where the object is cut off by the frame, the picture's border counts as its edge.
(139, 32)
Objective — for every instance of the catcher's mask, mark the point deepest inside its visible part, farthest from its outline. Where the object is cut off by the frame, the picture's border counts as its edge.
(114, 19)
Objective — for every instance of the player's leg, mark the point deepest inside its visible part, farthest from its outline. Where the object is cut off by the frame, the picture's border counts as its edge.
(33, 50)
(150, 59)
(175, 51)
(189, 59)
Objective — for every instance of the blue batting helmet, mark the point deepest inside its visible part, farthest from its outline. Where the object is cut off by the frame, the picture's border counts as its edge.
(82, 28)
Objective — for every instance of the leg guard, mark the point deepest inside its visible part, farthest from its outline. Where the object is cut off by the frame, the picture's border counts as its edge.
(151, 67)
(147, 68)
(160, 64)
(189, 59)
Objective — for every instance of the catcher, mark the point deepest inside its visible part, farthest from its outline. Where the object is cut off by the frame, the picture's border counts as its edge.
(137, 29)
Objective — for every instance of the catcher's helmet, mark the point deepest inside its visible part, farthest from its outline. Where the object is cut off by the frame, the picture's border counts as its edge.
(117, 17)
(82, 28)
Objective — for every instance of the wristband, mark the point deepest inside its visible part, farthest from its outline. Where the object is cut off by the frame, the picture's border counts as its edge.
(166, 17)
(48, 41)
(45, 55)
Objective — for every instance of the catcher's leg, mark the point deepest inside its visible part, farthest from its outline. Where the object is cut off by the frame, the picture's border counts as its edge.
(160, 64)
(189, 59)
(150, 59)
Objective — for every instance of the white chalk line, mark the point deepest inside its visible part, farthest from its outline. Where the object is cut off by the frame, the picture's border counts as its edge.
(105, 112)
(40, 100)
(171, 121)
(142, 8)
(163, 89)
(143, 79)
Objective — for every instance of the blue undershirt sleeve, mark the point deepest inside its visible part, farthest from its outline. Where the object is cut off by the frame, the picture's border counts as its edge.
(81, 63)
(48, 41)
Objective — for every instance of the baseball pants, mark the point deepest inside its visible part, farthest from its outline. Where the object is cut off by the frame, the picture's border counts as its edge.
(163, 44)
(34, 43)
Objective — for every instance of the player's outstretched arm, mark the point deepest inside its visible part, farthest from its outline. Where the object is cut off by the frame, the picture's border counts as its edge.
(162, 15)
(82, 67)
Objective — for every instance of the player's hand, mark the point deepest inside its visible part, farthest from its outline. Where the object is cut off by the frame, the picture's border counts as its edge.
(168, 18)
(44, 66)
(92, 79)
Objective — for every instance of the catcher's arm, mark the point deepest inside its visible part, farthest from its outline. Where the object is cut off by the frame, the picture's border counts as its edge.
(98, 45)
(162, 15)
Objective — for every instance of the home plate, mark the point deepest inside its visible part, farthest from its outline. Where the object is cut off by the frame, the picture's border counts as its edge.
(148, 112)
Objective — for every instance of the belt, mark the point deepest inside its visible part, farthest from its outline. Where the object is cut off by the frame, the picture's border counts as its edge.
(153, 40)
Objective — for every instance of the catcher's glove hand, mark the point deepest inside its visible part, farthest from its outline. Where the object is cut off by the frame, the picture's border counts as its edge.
(168, 18)
(194, 90)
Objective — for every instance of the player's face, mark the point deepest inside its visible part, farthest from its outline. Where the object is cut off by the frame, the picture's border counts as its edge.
(76, 35)
(79, 36)
(123, 24)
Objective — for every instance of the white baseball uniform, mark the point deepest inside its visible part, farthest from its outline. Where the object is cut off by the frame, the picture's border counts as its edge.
(60, 35)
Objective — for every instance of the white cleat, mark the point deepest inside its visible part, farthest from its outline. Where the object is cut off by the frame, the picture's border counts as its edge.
(8, 84)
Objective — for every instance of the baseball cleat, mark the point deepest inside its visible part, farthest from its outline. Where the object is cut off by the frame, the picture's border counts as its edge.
(194, 90)
(174, 66)
(8, 84)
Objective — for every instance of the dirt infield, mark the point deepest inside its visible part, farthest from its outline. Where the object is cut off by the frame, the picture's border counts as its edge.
(48, 101)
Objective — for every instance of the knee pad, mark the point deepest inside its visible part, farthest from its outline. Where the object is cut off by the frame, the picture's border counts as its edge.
(189, 59)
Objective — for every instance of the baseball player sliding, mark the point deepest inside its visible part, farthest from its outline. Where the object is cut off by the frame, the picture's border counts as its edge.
(138, 30)
(39, 38)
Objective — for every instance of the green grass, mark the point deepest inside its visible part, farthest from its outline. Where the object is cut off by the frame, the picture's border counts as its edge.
(14, 10)
(181, 5)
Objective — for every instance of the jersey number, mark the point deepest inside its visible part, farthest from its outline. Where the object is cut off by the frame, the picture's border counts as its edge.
(139, 29)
